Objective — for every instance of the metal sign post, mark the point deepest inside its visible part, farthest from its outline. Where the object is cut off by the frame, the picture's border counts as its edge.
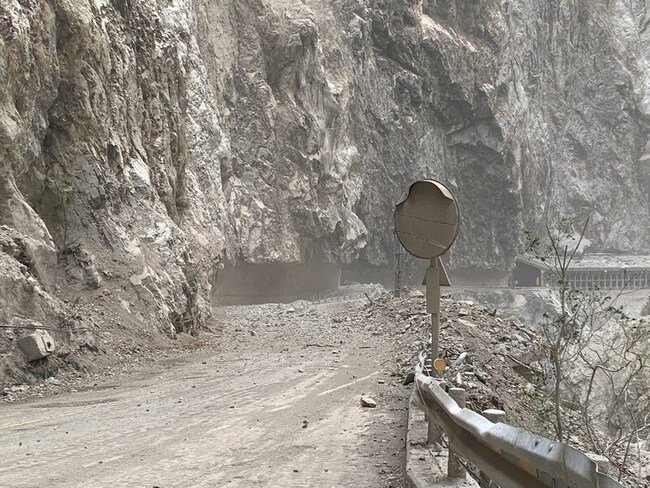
(433, 305)
(426, 223)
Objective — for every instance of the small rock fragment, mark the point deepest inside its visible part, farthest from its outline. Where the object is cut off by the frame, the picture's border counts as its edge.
(368, 402)
(460, 359)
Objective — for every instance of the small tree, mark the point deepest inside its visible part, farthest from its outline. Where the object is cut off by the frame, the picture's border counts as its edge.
(598, 355)
(556, 250)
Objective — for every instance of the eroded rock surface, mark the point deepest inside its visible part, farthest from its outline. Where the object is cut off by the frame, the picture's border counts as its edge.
(145, 145)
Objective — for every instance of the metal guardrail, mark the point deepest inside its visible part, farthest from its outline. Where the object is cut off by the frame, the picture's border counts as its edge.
(511, 457)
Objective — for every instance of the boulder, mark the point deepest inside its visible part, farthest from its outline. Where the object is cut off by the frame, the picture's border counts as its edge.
(37, 345)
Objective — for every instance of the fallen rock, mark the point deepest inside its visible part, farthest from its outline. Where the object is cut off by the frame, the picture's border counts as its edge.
(368, 402)
(37, 345)
(185, 338)
(466, 323)
(460, 359)
(529, 389)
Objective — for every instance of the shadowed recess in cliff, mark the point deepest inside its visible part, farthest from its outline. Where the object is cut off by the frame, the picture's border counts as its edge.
(275, 282)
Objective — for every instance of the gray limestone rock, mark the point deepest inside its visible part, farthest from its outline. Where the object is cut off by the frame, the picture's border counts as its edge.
(368, 402)
(37, 345)
(153, 143)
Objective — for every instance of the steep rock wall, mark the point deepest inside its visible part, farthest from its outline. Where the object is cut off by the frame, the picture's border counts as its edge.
(146, 144)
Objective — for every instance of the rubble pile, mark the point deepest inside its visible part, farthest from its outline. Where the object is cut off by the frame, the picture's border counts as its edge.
(486, 355)
(498, 361)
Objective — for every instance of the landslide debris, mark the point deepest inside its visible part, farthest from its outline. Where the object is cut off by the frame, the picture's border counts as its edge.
(498, 361)
(489, 356)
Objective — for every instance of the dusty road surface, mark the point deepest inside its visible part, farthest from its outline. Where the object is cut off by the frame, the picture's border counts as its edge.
(272, 400)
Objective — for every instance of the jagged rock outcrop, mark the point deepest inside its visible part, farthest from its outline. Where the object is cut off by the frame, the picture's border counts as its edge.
(144, 145)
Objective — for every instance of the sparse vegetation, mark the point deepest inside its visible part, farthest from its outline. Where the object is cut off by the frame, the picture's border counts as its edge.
(598, 356)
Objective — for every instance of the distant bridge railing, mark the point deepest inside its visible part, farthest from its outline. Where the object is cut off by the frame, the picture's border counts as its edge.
(507, 456)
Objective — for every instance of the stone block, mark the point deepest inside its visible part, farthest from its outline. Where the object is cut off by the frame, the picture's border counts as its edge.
(37, 345)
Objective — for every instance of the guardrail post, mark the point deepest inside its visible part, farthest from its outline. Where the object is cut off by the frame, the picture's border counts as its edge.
(434, 434)
(494, 415)
(455, 468)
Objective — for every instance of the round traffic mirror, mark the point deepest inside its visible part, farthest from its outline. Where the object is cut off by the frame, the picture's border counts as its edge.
(426, 219)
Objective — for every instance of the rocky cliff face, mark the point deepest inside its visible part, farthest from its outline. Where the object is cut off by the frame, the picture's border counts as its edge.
(146, 144)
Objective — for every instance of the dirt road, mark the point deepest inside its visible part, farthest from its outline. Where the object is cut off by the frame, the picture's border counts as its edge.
(273, 400)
